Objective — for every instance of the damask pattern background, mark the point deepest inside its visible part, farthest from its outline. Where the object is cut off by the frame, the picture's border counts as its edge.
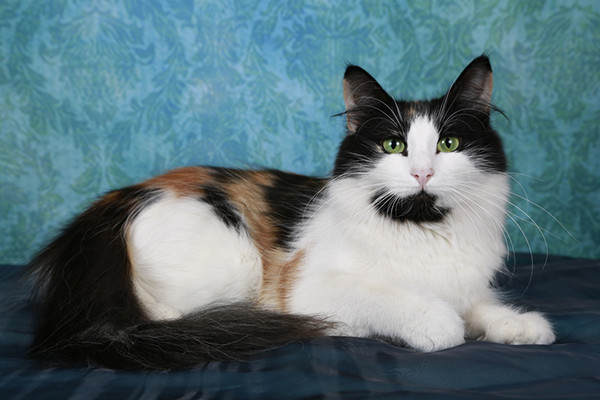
(96, 95)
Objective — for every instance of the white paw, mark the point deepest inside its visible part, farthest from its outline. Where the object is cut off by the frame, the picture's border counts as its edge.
(436, 328)
(527, 328)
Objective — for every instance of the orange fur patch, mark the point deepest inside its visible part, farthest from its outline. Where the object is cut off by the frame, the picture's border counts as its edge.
(183, 181)
(247, 193)
(287, 275)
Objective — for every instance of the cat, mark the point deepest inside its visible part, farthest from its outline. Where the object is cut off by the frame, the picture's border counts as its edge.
(402, 241)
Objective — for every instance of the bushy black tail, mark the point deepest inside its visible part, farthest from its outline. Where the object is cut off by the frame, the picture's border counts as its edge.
(88, 312)
(229, 332)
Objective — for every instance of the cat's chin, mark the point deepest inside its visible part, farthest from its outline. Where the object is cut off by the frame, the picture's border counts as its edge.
(419, 207)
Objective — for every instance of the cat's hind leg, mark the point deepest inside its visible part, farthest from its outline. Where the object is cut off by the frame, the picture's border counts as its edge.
(184, 257)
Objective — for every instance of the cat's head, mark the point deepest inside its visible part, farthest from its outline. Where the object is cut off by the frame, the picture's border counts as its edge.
(421, 159)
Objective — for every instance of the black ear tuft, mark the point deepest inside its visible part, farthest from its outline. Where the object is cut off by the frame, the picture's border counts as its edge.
(361, 89)
(474, 85)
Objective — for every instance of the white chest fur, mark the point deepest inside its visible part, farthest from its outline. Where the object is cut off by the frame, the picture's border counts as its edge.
(349, 244)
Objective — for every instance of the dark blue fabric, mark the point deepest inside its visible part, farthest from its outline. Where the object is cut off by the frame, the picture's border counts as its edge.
(568, 290)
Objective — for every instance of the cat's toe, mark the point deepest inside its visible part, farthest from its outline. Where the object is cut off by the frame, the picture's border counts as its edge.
(527, 328)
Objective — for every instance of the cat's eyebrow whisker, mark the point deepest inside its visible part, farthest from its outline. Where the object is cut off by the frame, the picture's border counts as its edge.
(383, 120)
(455, 116)
(397, 115)
(477, 107)
(462, 111)
(445, 108)
(396, 119)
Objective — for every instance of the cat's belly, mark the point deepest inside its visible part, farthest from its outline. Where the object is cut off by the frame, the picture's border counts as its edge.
(184, 257)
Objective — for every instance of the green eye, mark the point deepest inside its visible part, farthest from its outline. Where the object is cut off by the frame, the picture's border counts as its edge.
(448, 144)
(393, 146)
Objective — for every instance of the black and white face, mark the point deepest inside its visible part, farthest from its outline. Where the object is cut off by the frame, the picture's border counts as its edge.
(422, 159)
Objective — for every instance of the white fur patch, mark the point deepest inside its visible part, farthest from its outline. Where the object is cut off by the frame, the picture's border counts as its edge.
(184, 258)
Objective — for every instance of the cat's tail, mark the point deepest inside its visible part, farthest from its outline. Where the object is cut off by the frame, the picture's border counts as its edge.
(88, 311)
(230, 332)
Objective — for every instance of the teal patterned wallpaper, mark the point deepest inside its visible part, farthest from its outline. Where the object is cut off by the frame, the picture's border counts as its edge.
(100, 94)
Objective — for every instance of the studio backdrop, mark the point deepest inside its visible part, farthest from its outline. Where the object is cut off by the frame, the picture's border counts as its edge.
(96, 95)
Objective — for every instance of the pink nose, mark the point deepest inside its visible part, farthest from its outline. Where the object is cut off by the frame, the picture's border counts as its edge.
(422, 176)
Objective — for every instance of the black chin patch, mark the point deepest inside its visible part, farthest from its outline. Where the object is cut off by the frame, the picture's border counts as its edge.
(419, 207)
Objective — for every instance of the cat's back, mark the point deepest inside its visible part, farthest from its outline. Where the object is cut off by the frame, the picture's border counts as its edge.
(238, 196)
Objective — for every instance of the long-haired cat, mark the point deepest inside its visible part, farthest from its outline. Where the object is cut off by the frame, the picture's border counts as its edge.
(402, 241)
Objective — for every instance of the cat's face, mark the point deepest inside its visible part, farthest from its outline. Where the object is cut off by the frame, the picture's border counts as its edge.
(421, 159)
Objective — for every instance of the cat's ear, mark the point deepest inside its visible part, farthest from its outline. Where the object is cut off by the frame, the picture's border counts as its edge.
(474, 85)
(360, 90)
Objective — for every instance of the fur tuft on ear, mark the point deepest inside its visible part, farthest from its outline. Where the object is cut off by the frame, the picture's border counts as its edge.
(361, 90)
(474, 85)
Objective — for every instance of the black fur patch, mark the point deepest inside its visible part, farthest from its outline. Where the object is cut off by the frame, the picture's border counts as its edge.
(289, 198)
(418, 208)
(222, 207)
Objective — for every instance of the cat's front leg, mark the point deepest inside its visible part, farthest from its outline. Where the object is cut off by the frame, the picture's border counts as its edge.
(430, 324)
(363, 307)
(502, 324)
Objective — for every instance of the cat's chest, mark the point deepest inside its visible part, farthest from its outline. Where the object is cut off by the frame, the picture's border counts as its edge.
(436, 259)
(409, 253)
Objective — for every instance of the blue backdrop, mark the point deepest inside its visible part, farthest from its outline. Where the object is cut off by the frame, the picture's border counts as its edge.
(100, 94)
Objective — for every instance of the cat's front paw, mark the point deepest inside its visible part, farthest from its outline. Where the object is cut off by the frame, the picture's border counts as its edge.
(436, 328)
(527, 328)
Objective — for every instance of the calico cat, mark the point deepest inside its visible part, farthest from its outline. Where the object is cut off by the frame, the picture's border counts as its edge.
(402, 241)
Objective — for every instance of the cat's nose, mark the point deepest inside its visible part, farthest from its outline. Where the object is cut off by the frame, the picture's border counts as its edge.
(422, 175)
